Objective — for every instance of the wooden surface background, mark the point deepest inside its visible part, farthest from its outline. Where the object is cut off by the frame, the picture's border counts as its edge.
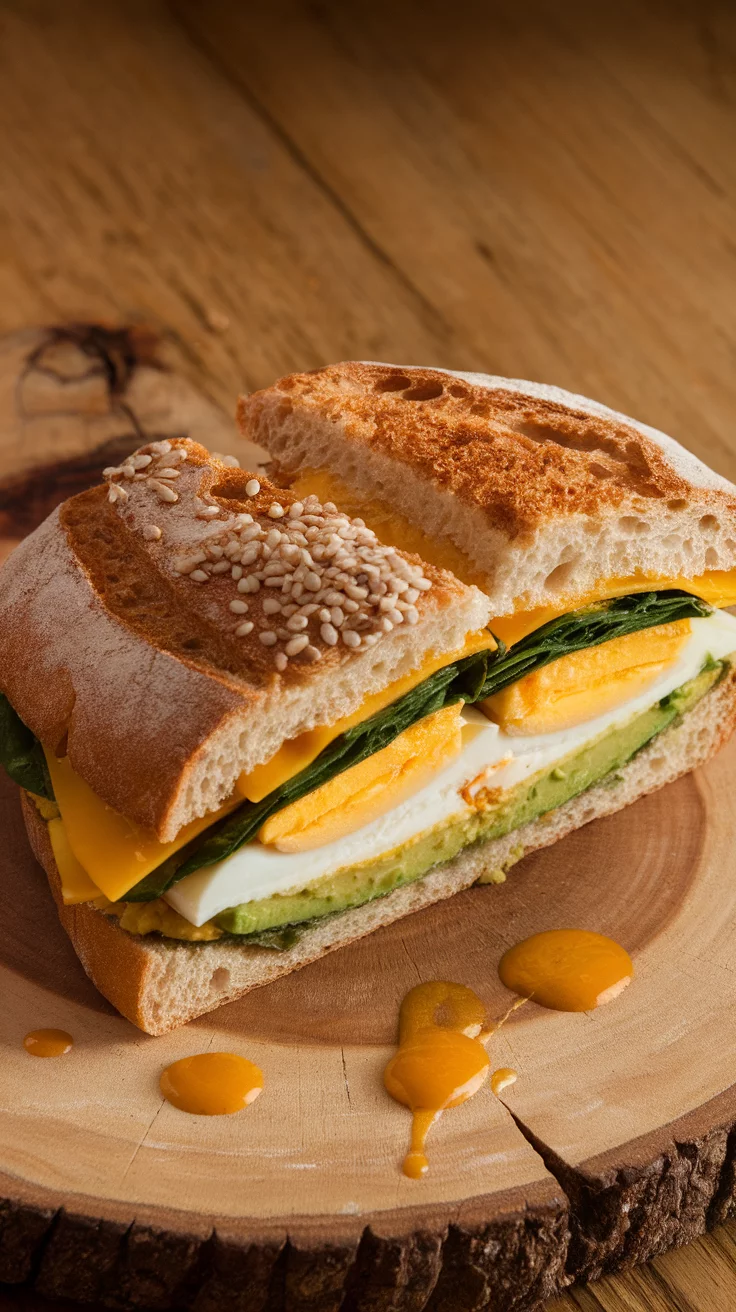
(539, 190)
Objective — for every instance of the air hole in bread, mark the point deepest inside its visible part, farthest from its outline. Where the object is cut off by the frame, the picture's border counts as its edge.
(556, 581)
(600, 471)
(711, 558)
(191, 644)
(709, 524)
(232, 486)
(424, 392)
(679, 503)
(631, 524)
(394, 383)
(220, 980)
(458, 391)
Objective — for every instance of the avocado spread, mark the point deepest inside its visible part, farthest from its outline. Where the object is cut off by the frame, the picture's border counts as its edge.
(544, 792)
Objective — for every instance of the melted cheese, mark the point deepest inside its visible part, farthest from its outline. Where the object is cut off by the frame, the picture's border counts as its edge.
(114, 852)
(298, 753)
(718, 587)
(587, 683)
(368, 790)
(76, 885)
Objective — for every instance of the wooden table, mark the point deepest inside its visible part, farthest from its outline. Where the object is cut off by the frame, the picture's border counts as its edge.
(542, 191)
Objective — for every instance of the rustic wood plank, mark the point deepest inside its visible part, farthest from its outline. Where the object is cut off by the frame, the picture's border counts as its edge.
(543, 211)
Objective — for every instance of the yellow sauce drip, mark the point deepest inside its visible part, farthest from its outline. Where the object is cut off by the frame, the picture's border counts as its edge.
(502, 1079)
(211, 1084)
(441, 1061)
(567, 969)
(48, 1043)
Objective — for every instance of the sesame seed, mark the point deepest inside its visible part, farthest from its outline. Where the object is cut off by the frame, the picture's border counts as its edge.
(164, 473)
(152, 532)
(312, 581)
(297, 622)
(185, 564)
(423, 584)
(252, 487)
(329, 634)
(208, 512)
(236, 572)
(251, 553)
(297, 644)
(176, 456)
(243, 630)
(395, 616)
(350, 606)
(274, 537)
(411, 595)
(337, 615)
(281, 661)
(330, 507)
(221, 567)
(163, 492)
(309, 609)
(324, 615)
(214, 550)
(127, 470)
(253, 584)
(271, 607)
(238, 607)
(199, 576)
(283, 635)
(357, 594)
(296, 509)
(351, 638)
(411, 615)
(267, 637)
(276, 511)
(161, 448)
(242, 585)
(111, 471)
(141, 461)
(117, 493)
(232, 462)
(312, 653)
(386, 624)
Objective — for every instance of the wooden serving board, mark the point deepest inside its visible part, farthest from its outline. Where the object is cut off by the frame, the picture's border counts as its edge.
(617, 1142)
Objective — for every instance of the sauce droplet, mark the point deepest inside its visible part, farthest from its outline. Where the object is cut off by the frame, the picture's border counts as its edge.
(567, 969)
(440, 1062)
(211, 1084)
(502, 1079)
(48, 1043)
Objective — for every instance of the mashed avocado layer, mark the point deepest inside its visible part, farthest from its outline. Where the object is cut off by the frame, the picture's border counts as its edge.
(494, 817)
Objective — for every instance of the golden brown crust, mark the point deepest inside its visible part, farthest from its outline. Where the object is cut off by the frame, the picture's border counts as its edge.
(519, 457)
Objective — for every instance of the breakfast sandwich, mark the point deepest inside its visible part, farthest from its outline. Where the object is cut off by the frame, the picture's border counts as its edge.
(250, 726)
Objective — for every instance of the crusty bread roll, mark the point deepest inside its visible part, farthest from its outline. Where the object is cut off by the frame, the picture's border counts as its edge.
(120, 642)
(159, 984)
(546, 493)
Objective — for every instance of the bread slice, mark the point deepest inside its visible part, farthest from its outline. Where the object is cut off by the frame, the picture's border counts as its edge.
(546, 493)
(121, 642)
(159, 984)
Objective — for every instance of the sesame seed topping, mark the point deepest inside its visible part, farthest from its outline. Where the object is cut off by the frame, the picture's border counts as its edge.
(232, 462)
(163, 492)
(325, 577)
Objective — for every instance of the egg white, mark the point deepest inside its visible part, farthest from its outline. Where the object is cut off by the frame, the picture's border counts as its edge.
(255, 871)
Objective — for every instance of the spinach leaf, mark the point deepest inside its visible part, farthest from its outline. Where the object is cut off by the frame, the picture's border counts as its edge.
(588, 628)
(21, 753)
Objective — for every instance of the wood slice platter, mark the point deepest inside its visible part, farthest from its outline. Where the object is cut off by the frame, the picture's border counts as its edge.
(617, 1141)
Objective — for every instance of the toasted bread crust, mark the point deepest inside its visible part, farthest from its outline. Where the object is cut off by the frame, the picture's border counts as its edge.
(159, 985)
(136, 669)
(519, 453)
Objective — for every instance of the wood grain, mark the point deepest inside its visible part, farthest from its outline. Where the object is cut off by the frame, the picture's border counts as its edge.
(546, 194)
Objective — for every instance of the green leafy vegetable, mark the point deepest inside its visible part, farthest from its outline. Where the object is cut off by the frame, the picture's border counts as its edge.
(588, 628)
(21, 753)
